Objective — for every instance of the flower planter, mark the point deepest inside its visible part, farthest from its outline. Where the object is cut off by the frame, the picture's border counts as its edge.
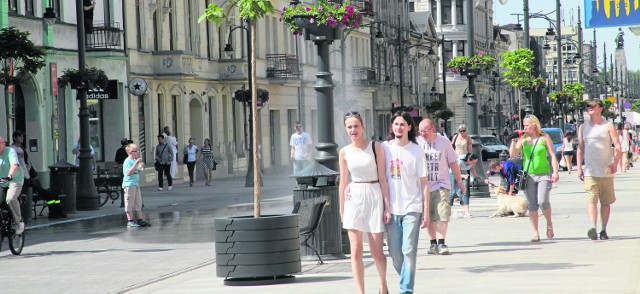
(257, 250)
(313, 31)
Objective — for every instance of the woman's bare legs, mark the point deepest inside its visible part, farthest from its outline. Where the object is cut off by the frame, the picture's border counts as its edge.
(533, 217)
(568, 159)
(375, 246)
(357, 268)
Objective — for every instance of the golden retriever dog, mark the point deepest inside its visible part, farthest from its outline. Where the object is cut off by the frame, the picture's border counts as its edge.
(509, 204)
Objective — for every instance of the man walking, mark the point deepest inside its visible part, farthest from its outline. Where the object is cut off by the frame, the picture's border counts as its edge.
(300, 142)
(172, 142)
(164, 156)
(407, 179)
(594, 147)
(440, 156)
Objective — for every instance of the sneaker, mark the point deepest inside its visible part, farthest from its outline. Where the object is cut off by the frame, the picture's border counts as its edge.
(433, 249)
(160, 189)
(20, 228)
(604, 236)
(170, 188)
(592, 234)
(143, 223)
(443, 249)
(132, 224)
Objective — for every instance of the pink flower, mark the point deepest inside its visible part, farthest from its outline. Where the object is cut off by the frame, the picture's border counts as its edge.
(280, 19)
(308, 8)
(320, 7)
(312, 20)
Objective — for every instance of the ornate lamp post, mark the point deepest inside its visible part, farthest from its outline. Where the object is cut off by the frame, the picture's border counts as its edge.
(87, 196)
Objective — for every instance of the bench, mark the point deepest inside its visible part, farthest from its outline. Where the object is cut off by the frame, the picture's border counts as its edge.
(309, 215)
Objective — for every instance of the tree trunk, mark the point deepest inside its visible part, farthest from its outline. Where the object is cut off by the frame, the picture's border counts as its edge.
(254, 122)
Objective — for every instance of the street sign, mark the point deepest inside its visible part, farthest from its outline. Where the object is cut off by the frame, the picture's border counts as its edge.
(611, 99)
(627, 105)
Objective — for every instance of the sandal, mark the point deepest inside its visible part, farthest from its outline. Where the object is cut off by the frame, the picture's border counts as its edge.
(535, 238)
(550, 233)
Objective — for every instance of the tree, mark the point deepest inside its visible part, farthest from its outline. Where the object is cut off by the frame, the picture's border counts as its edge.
(518, 71)
(251, 9)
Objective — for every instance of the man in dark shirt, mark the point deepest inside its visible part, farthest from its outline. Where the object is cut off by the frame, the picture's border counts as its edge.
(88, 15)
(508, 170)
(121, 153)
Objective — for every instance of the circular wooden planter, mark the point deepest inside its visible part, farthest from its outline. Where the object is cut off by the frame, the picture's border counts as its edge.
(315, 32)
(252, 251)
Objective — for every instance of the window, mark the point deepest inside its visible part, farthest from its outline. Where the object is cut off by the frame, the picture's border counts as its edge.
(28, 7)
(95, 128)
(208, 26)
(434, 9)
(459, 12)
(138, 28)
(461, 45)
(107, 13)
(446, 12)
(448, 50)
(13, 6)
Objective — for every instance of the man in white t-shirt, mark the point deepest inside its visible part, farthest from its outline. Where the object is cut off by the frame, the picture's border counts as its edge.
(440, 156)
(407, 179)
(76, 152)
(300, 142)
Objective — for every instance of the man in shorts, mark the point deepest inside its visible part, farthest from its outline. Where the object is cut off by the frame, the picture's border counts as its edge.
(594, 147)
(440, 156)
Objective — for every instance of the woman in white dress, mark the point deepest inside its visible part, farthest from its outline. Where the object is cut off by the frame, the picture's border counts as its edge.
(364, 204)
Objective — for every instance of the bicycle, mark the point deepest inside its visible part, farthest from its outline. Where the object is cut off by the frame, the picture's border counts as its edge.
(16, 242)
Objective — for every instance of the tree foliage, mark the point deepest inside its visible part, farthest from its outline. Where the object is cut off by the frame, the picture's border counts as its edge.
(252, 9)
(16, 47)
(518, 66)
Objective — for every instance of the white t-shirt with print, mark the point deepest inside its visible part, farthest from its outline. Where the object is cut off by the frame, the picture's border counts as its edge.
(405, 166)
(439, 155)
(300, 144)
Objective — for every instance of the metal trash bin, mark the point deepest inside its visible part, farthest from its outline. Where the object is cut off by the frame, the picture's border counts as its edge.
(316, 180)
(63, 182)
(26, 209)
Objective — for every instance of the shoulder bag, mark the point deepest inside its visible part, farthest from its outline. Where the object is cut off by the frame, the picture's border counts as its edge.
(523, 175)
(453, 143)
(157, 165)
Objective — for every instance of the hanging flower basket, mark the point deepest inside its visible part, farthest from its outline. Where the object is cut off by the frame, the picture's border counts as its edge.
(321, 21)
(314, 31)
(244, 96)
(85, 79)
(466, 65)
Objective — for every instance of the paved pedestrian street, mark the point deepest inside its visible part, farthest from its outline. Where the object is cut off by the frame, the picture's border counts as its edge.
(93, 252)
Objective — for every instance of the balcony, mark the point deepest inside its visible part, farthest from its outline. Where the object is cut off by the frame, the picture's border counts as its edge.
(105, 37)
(364, 76)
(283, 66)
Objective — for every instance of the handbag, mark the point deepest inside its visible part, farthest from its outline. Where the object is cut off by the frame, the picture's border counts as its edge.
(215, 163)
(32, 173)
(523, 175)
(184, 158)
(157, 165)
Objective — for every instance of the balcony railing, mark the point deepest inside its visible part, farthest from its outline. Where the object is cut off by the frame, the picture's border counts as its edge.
(283, 66)
(105, 36)
(364, 76)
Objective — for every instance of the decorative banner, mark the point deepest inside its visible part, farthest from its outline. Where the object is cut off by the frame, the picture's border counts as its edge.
(611, 13)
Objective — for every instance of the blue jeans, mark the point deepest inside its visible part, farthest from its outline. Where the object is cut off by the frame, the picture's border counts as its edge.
(403, 232)
(454, 189)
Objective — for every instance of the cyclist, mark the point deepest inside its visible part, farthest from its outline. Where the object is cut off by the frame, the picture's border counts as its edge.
(11, 180)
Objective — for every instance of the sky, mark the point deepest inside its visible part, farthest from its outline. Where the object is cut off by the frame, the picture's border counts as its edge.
(502, 15)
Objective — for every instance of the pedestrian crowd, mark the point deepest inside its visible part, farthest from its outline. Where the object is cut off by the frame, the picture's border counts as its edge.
(409, 182)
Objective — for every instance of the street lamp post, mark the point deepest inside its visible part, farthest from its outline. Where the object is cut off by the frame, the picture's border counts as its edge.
(228, 49)
(87, 196)
(481, 190)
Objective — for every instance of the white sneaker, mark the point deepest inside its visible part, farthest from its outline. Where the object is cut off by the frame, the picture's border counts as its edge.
(170, 188)
(20, 228)
(159, 189)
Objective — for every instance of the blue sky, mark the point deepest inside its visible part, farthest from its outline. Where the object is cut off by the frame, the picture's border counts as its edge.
(570, 10)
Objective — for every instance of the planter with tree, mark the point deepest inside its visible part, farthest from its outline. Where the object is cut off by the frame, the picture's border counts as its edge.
(322, 21)
(85, 79)
(263, 248)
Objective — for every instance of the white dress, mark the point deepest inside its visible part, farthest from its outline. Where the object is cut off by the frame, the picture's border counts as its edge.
(364, 210)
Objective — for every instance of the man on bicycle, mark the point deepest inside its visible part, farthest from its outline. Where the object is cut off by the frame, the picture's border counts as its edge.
(11, 180)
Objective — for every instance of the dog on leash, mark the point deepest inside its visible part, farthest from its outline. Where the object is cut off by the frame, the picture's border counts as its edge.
(508, 204)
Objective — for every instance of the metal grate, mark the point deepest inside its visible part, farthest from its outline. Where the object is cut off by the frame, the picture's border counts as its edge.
(105, 36)
(364, 76)
(283, 66)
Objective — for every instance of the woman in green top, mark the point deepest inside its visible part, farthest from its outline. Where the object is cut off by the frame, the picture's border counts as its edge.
(536, 146)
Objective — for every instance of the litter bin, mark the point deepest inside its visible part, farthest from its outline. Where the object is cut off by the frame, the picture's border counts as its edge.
(63, 182)
(316, 180)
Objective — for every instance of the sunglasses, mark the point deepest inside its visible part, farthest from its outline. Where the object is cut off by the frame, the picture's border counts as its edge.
(462, 131)
(351, 114)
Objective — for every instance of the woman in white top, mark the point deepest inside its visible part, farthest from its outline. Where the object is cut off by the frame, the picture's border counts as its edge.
(190, 152)
(567, 150)
(364, 206)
